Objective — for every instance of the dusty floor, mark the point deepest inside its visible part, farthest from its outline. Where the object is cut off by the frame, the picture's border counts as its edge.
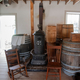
(32, 75)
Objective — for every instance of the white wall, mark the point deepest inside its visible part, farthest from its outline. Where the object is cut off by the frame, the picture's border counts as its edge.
(54, 14)
(22, 12)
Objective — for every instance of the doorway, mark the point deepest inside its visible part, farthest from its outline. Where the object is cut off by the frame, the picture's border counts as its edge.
(73, 18)
(7, 29)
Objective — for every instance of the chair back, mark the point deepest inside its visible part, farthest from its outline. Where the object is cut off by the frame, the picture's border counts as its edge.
(12, 57)
(53, 52)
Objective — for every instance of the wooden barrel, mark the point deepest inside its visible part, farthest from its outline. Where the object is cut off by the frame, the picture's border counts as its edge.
(66, 30)
(70, 57)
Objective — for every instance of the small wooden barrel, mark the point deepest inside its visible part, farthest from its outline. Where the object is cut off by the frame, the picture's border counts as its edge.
(66, 30)
(70, 57)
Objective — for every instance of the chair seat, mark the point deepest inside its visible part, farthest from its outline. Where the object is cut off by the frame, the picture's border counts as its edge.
(54, 65)
(16, 67)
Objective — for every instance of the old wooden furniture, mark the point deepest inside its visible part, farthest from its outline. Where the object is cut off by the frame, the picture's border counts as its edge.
(54, 66)
(14, 67)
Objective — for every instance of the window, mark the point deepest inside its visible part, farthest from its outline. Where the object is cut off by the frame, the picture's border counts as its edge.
(73, 18)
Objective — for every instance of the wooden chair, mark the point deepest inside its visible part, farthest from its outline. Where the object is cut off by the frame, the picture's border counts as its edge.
(54, 66)
(14, 67)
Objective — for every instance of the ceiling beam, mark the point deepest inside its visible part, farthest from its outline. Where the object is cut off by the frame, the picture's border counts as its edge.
(58, 1)
(9, 1)
(41, 1)
(50, 1)
(67, 1)
(16, 1)
(25, 1)
(32, 1)
(75, 1)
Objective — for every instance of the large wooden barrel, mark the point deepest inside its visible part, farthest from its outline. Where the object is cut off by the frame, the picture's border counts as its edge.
(70, 57)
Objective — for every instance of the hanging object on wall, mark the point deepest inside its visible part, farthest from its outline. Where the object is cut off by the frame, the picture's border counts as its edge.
(7, 2)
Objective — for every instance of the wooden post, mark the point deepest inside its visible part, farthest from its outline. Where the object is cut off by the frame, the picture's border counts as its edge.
(32, 21)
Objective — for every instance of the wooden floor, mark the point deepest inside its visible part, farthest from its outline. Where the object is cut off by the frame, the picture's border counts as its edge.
(32, 75)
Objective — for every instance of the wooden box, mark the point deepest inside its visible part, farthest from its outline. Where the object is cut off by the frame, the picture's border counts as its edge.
(75, 37)
(51, 34)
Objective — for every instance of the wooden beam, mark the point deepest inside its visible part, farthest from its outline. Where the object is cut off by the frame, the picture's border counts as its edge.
(41, 1)
(24, 1)
(50, 1)
(75, 1)
(67, 1)
(32, 21)
(32, 1)
(16, 1)
(58, 1)
(9, 1)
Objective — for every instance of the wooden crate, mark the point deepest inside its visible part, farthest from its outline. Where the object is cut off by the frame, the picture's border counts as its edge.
(66, 30)
(51, 34)
(59, 30)
(75, 37)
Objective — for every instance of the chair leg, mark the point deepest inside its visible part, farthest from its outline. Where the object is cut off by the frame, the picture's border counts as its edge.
(47, 73)
(26, 71)
(9, 73)
(60, 74)
(12, 75)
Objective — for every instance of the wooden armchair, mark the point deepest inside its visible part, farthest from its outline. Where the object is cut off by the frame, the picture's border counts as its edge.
(54, 66)
(14, 67)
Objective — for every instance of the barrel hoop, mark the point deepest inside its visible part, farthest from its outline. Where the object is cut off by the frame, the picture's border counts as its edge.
(70, 42)
(70, 66)
(68, 73)
(71, 71)
(71, 47)
(71, 54)
(66, 28)
(68, 49)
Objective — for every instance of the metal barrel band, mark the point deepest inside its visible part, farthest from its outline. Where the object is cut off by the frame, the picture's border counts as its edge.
(70, 66)
(70, 42)
(68, 49)
(70, 54)
(69, 72)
